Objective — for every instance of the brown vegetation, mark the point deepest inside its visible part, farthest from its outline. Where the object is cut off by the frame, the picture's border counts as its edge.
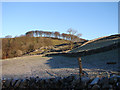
(32, 40)
(13, 47)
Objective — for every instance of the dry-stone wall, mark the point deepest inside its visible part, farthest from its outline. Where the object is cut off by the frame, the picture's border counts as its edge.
(89, 52)
(68, 83)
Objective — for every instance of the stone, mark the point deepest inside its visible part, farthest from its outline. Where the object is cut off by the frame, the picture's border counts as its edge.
(89, 87)
(118, 85)
(118, 78)
(37, 80)
(96, 87)
(32, 79)
(0, 84)
(33, 85)
(95, 81)
(110, 87)
(7, 82)
(24, 83)
(85, 74)
(17, 84)
(105, 86)
(112, 79)
(76, 81)
(14, 82)
(104, 80)
(42, 83)
(3, 82)
(84, 81)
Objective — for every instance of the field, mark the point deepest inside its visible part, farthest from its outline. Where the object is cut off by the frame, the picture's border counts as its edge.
(55, 66)
(97, 43)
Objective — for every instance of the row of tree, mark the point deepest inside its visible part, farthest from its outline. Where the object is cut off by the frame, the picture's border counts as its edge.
(70, 36)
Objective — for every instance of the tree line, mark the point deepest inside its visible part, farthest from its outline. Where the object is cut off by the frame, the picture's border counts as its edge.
(40, 33)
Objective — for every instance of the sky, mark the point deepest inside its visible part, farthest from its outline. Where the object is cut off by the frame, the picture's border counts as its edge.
(91, 19)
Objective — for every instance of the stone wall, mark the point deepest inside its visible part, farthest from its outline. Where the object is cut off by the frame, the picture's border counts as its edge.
(111, 82)
(89, 52)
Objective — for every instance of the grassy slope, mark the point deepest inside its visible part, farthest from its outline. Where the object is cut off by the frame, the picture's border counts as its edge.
(98, 43)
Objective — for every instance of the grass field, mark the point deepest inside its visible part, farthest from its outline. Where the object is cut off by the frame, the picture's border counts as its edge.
(93, 44)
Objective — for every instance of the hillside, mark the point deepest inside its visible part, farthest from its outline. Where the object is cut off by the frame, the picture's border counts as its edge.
(98, 43)
(18, 46)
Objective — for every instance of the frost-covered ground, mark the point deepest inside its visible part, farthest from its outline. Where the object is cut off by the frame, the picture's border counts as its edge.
(55, 66)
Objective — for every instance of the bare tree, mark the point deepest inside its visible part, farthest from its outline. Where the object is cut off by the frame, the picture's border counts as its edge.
(41, 33)
(36, 33)
(56, 34)
(72, 36)
(63, 35)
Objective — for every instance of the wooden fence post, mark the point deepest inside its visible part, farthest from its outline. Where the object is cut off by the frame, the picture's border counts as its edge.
(80, 67)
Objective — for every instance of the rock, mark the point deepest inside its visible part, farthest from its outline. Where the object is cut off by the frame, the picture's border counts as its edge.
(84, 81)
(104, 80)
(85, 74)
(17, 84)
(37, 80)
(118, 78)
(89, 87)
(112, 79)
(96, 87)
(0, 84)
(32, 79)
(42, 83)
(33, 85)
(69, 78)
(105, 86)
(3, 83)
(110, 87)
(7, 82)
(69, 82)
(14, 80)
(24, 83)
(118, 85)
(95, 81)
(76, 80)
